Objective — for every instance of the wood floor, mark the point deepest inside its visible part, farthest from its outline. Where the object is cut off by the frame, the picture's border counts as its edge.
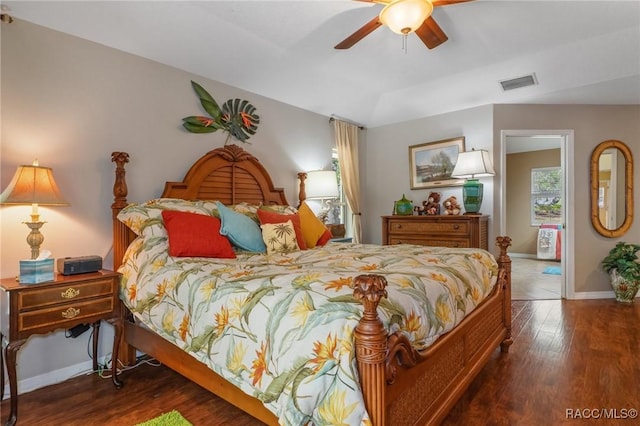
(567, 355)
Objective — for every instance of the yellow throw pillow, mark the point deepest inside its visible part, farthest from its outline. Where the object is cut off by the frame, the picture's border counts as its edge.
(312, 227)
(279, 237)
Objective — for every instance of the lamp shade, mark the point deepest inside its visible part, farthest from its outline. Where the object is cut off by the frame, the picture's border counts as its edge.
(33, 185)
(472, 165)
(322, 184)
(405, 16)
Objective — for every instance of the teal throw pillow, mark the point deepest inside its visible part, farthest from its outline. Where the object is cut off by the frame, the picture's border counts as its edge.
(241, 230)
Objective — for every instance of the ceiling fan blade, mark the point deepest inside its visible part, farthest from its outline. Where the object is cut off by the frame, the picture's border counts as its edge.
(431, 34)
(361, 33)
(437, 3)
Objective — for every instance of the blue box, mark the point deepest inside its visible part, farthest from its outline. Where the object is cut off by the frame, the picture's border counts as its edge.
(36, 271)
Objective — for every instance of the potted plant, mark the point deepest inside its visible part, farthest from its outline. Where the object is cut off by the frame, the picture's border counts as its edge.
(623, 267)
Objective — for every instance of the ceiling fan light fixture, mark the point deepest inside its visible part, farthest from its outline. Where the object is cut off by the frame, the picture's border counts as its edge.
(405, 16)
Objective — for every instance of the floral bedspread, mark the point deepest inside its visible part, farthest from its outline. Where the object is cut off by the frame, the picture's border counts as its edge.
(280, 326)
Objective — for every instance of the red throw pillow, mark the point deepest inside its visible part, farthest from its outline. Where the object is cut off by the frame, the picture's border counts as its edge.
(324, 239)
(267, 216)
(195, 235)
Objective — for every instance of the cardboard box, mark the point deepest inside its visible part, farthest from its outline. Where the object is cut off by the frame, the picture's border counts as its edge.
(36, 271)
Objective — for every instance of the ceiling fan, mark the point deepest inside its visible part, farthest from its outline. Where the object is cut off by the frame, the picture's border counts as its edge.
(404, 17)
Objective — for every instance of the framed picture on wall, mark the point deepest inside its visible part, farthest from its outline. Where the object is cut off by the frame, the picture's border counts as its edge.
(431, 163)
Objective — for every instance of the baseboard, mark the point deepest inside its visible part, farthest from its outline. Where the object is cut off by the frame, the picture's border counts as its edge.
(596, 295)
(52, 377)
(523, 256)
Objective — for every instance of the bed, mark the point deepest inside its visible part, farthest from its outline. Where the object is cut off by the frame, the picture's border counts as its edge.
(398, 377)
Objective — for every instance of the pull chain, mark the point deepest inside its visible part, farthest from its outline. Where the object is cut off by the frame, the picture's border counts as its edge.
(404, 43)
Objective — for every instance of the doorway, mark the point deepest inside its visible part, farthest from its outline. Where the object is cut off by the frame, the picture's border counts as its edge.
(542, 228)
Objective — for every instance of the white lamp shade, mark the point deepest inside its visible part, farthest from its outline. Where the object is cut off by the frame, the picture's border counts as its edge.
(321, 184)
(405, 16)
(473, 164)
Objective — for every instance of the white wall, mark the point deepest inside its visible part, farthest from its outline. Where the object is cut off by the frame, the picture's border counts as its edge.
(386, 160)
(70, 103)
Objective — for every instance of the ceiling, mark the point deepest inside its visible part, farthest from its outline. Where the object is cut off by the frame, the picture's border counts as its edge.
(582, 52)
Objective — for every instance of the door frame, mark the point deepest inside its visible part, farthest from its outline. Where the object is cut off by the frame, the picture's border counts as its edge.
(567, 287)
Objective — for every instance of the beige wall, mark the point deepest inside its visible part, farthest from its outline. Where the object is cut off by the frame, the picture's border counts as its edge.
(518, 197)
(591, 124)
(386, 154)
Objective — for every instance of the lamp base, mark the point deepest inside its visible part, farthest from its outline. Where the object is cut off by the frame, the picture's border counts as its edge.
(472, 196)
(35, 237)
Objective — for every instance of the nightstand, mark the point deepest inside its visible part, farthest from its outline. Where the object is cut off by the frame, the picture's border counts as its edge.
(69, 300)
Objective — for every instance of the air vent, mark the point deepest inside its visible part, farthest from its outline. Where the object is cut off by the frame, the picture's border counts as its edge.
(516, 83)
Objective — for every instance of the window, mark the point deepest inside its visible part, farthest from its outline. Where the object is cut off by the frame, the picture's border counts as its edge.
(546, 196)
(338, 210)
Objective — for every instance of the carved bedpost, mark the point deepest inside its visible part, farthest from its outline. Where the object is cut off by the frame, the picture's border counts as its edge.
(121, 238)
(504, 262)
(302, 194)
(371, 346)
(120, 230)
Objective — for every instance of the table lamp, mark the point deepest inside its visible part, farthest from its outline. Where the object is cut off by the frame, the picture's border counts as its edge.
(470, 166)
(33, 185)
(320, 185)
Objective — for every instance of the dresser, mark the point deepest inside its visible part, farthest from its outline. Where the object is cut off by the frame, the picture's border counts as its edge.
(438, 230)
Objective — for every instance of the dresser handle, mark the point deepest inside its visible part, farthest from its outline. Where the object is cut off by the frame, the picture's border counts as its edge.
(70, 313)
(456, 226)
(70, 293)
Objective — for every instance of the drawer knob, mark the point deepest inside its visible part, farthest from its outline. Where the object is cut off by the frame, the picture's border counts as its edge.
(456, 226)
(70, 313)
(70, 293)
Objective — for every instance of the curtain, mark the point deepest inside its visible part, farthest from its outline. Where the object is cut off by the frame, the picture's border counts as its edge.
(346, 136)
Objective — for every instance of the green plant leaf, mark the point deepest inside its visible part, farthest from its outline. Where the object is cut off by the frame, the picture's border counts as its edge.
(241, 118)
(198, 128)
(208, 103)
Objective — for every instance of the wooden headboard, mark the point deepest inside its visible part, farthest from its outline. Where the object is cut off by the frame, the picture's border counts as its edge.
(228, 174)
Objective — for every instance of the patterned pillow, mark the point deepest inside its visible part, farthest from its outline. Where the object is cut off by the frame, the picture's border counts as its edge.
(269, 216)
(279, 237)
(146, 218)
(242, 231)
(279, 208)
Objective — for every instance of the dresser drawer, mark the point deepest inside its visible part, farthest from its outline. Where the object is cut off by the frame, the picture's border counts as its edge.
(464, 231)
(431, 242)
(433, 228)
(64, 315)
(39, 298)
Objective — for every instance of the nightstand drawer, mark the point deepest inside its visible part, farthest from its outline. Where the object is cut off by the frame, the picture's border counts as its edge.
(64, 316)
(39, 298)
(412, 227)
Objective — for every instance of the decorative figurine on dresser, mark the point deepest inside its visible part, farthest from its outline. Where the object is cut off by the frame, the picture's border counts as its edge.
(432, 205)
(451, 206)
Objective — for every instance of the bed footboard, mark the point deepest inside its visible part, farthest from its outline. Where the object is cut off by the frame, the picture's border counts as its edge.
(404, 386)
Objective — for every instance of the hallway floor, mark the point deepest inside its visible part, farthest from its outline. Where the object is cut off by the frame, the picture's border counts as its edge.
(529, 283)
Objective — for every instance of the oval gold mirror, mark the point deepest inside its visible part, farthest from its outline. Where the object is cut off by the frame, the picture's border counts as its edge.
(611, 188)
